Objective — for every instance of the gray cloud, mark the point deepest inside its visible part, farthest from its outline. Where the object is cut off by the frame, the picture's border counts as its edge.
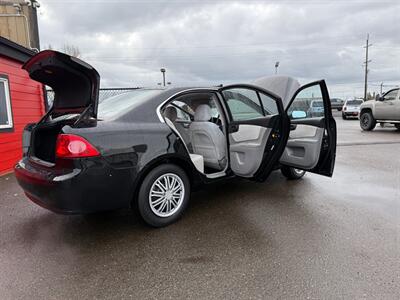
(204, 42)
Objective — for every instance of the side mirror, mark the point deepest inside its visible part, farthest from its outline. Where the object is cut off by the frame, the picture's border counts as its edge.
(298, 114)
(379, 98)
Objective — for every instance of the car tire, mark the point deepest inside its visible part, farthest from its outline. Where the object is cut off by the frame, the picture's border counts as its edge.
(157, 210)
(397, 126)
(292, 173)
(367, 121)
(344, 117)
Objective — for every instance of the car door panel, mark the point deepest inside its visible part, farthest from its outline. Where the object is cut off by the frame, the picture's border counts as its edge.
(246, 148)
(311, 145)
(384, 109)
(302, 130)
(255, 140)
(303, 147)
(315, 122)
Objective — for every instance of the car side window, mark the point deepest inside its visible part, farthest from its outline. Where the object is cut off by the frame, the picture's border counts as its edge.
(183, 114)
(307, 104)
(248, 104)
(391, 95)
(269, 104)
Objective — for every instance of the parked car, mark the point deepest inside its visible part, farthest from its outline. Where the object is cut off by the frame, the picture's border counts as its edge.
(148, 149)
(337, 104)
(351, 108)
(316, 108)
(386, 109)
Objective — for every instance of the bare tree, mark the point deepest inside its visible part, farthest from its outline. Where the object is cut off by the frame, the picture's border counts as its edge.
(67, 48)
(71, 50)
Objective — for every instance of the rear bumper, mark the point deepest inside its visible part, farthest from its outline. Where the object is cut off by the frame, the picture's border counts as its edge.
(89, 186)
(351, 113)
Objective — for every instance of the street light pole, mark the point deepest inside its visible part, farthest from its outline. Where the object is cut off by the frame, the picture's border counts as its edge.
(276, 67)
(163, 73)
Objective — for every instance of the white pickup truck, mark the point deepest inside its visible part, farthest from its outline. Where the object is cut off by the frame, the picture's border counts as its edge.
(386, 109)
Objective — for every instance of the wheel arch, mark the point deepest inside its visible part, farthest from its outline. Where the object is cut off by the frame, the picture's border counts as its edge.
(186, 165)
(367, 109)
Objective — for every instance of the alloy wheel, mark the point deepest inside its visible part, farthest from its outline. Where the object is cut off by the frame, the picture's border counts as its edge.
(166, 195)
(364, 120)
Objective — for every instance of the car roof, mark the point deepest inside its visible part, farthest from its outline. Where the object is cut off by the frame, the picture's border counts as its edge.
(283, 86)
(147, 111)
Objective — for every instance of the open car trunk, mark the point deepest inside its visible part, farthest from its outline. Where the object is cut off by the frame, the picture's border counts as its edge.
(43, 138)
(76, 92)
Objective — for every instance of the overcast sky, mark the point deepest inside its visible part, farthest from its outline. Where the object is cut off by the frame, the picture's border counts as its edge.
(213, 42)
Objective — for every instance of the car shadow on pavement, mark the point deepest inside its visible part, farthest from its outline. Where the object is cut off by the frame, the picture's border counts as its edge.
(236, 205)
(238, 230)
(235, 216)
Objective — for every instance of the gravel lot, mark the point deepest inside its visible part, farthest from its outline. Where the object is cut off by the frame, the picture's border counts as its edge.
(331, 238)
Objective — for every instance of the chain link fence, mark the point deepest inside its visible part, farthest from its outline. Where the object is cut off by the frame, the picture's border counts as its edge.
(103, 94)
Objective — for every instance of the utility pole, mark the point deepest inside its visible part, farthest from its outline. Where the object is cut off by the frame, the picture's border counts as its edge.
(367, 45)
(381, 88)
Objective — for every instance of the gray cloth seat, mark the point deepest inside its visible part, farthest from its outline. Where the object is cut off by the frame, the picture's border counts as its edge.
(171, 114)
(208, 139)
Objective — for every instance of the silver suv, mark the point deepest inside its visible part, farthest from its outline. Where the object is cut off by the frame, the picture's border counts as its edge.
(386, 109)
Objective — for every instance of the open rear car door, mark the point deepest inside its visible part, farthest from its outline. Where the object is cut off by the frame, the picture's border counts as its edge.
(258, 128)
(311, 145)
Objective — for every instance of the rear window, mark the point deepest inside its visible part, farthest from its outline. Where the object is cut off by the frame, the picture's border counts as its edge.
(354, 102)
(117, 105)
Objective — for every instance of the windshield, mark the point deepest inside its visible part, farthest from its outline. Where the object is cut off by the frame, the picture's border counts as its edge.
(113, 106)
(354, 102)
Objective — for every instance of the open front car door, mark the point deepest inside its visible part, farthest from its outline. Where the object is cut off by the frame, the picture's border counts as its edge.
(312, 140)
(257, 130)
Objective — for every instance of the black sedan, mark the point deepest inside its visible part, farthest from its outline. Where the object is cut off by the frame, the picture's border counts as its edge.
(147, 149)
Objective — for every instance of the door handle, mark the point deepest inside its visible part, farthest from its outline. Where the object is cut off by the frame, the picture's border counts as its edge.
(233, 128)
(293, 126)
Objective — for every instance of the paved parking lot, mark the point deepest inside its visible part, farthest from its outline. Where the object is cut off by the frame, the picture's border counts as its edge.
(331, 238)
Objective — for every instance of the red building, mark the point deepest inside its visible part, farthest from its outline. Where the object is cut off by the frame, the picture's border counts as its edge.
(21, 102)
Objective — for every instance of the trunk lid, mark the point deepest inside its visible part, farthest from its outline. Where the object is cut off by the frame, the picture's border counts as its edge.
(76, 93)
(74, 82)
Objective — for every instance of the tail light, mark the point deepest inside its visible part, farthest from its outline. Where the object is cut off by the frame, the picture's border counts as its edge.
(74, 146)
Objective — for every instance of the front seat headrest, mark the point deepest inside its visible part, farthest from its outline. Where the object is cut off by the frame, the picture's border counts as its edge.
(170, 113)
(203, 113)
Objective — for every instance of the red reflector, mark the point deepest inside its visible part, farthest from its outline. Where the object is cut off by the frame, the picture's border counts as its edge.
(74, 146)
